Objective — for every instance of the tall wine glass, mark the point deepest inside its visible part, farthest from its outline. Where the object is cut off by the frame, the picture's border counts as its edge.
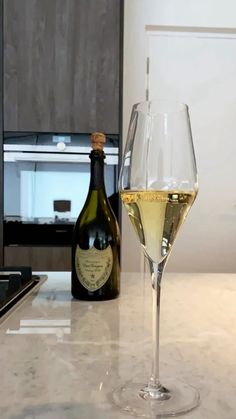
(158, 185)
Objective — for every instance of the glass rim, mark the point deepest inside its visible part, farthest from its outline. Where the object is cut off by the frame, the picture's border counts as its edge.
(161, 107)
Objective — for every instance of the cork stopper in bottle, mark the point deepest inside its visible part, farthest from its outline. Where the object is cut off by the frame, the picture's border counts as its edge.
(98, 140)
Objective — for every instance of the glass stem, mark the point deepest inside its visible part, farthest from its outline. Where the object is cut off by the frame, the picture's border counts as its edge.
(154, 390)
(156, 276)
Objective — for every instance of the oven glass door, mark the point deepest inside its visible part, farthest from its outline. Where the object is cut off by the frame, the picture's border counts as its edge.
(43, 199)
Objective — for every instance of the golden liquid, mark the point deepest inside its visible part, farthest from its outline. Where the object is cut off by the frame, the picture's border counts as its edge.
(157, 217)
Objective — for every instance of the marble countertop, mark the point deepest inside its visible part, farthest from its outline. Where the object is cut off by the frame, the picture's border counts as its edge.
(61, 359)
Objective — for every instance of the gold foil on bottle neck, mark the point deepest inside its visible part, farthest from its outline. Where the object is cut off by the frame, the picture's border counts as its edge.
(98, 140)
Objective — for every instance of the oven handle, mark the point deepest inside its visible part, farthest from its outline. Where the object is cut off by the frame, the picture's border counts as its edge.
(54, 158)
(31, 148)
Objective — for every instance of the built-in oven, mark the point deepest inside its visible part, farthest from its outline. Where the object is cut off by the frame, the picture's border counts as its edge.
(46, 180)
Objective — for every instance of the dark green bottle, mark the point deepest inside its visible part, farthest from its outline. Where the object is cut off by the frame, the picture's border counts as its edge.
(96, 238)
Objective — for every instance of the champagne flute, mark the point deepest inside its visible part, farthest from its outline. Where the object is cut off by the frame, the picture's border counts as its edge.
(158, 185)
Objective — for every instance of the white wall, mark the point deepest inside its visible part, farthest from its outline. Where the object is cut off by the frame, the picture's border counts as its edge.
(138, 14)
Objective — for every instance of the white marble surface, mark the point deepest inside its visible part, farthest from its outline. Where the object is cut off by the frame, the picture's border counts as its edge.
(60, 359)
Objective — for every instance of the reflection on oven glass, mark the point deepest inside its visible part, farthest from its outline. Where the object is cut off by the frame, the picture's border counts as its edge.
(47, 186)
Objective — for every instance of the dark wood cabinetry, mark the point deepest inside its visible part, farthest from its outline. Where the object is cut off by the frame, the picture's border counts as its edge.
(39, 258)
(62, 65)
(1, 132)
(62, 74)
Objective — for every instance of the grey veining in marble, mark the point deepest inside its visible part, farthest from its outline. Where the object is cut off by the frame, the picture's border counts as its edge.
(60, 359)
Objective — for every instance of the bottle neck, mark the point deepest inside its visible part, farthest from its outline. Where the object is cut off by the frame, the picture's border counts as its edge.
(97, 170)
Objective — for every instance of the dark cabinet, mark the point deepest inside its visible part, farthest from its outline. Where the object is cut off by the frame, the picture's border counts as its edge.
(62, 65)
(40, 258)
(1, 145)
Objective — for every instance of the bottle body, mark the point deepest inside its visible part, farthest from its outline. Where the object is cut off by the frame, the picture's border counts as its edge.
(96, 242)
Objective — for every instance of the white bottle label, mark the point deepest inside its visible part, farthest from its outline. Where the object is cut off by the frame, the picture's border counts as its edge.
(93, 266)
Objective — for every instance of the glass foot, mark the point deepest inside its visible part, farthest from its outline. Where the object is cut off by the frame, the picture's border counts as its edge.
(174, 399)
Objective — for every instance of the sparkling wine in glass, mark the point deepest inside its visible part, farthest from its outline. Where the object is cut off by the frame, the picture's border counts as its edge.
(158, 185)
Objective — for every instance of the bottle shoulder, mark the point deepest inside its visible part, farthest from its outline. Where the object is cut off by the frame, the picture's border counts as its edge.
(97, 204)
(100, 216)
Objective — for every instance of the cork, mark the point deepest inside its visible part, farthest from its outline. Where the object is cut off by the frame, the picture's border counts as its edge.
(98, 140)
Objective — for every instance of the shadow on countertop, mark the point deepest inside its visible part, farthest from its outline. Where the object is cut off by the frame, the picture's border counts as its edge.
(62, 411)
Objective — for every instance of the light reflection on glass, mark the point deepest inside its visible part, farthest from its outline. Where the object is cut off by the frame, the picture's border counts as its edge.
(57, 327)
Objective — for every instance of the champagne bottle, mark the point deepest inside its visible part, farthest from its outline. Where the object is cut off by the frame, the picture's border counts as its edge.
(96, 239)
